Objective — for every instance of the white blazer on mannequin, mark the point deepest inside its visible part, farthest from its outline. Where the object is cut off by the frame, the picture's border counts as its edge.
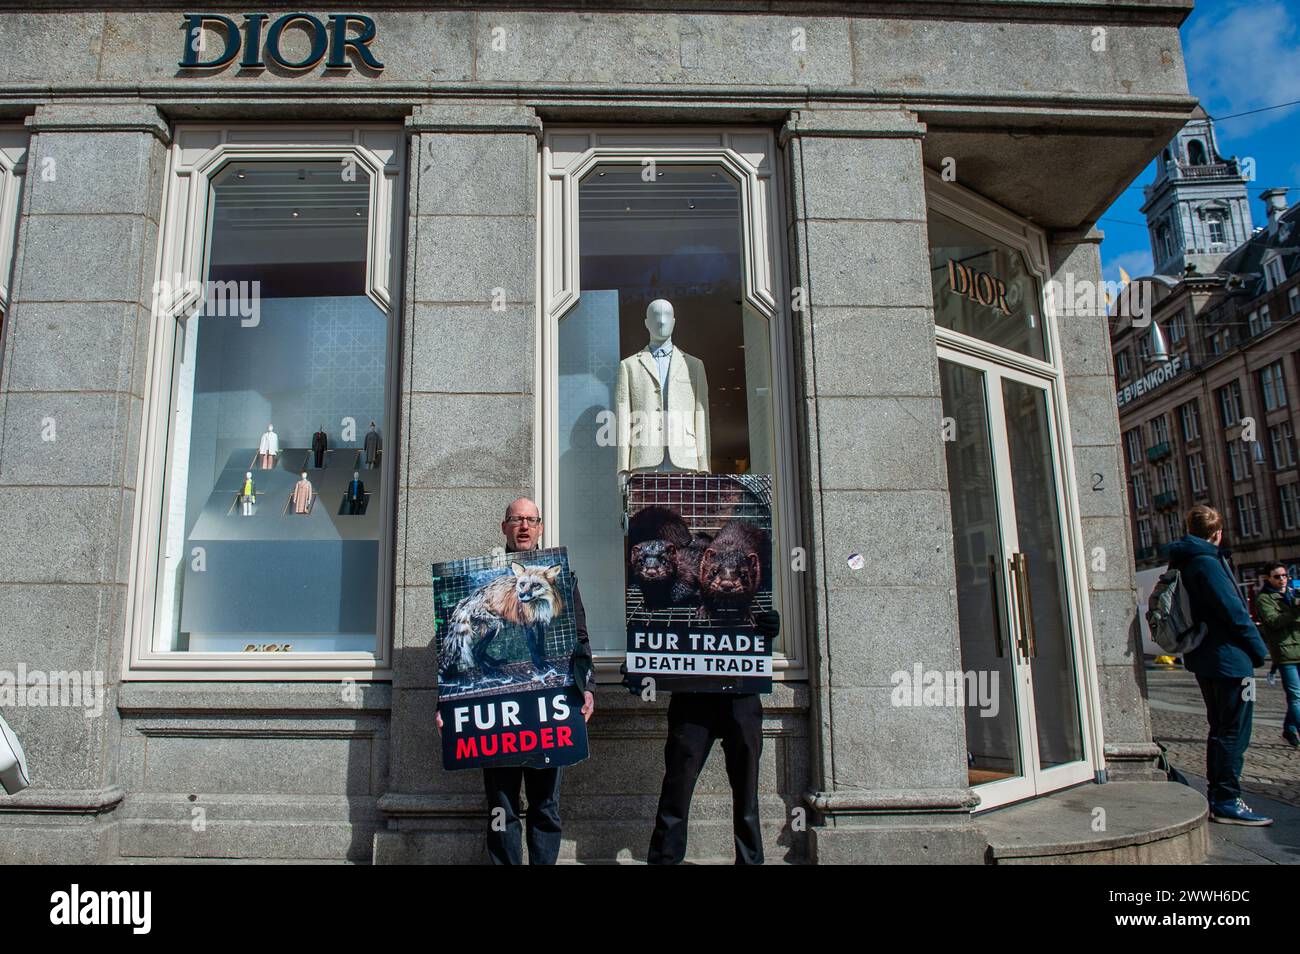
(642, 443)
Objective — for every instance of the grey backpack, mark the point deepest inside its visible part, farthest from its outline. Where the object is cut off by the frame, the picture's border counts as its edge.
(1169, 615)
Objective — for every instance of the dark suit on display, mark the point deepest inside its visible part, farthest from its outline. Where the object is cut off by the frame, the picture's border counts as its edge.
(356, 496)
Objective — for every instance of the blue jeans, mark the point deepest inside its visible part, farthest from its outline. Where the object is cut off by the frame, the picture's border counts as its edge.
(1290, 673)
(1229, 715)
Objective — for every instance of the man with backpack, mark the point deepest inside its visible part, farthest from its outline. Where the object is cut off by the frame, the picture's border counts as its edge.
(1223, 660)
(1279, 621)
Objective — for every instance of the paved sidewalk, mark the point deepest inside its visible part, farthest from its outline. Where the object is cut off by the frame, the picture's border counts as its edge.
(1270, 780)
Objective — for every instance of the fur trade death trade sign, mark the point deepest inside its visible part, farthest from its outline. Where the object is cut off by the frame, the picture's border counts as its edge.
(505, 633)
(699, 567)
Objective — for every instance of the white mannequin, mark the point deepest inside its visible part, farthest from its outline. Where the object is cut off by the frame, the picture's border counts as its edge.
(246, 500)
(268, 447)
(663, 425)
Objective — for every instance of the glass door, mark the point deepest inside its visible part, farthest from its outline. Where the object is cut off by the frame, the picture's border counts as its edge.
(1025, 730)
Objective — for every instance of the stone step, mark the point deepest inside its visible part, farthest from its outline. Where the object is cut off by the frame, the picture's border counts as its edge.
(1118, 823)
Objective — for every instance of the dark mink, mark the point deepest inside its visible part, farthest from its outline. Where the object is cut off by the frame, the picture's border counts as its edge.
(658, 523)
(667, 574)
(664, 561)
(734, 566)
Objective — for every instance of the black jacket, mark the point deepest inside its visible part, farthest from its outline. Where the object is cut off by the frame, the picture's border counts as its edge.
(584, 668)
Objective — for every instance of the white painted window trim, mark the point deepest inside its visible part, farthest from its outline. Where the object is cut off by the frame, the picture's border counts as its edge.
(13, 169)
(1274, 274)
(985, 216)
(198, 153)
(750, 155)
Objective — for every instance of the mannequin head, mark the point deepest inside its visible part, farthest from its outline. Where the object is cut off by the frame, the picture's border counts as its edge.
(304, 475)
(269, 427)
(248, 475)
(372, 425)
(356, 475)
(659, 320)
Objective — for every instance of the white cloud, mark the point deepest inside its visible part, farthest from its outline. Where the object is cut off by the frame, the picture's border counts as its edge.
(1244, 55)
(1137, 263)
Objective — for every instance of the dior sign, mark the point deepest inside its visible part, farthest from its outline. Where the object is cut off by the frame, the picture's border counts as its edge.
(261, 43)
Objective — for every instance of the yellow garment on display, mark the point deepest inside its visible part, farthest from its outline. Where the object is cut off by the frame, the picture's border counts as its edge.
(248, 488)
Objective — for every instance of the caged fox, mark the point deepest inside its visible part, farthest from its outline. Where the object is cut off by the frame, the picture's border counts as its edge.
(525, 597)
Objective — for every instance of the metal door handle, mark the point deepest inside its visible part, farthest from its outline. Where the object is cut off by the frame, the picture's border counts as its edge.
(995, 586)
(1024, 605)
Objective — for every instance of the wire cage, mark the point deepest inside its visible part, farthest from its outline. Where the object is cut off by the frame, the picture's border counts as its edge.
(706, 502)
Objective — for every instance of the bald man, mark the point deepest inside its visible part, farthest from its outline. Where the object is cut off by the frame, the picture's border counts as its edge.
(523, 528)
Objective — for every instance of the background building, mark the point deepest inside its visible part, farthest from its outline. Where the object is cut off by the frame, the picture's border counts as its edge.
(1208, 408)
(451, 216)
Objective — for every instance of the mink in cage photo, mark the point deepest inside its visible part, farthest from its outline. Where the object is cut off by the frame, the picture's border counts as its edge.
(699, 548)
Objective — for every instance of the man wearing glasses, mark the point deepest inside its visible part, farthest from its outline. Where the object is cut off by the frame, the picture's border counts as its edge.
(523, 532)
(1279, 621)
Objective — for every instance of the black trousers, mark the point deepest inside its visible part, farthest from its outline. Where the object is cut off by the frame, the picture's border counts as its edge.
(1230, 716)
(695, 720)
(504, 844)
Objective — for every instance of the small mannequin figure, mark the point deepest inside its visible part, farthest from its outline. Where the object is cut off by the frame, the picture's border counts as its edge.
(302, 494)
(356, 494)
(247, 495)
(268, 448)
(320, 443)
(372, 446)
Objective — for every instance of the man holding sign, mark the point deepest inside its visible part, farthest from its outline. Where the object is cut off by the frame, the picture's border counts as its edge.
(523, 532)
(695, 721)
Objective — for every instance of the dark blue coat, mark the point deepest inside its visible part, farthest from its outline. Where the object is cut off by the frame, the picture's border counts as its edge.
(1232, 646)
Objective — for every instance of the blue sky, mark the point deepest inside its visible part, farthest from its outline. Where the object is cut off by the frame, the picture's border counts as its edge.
(1241, 55)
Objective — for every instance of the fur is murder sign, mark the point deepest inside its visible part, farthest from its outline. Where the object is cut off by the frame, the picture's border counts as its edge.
(505, 633)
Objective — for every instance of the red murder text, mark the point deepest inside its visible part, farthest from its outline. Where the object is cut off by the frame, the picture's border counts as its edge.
(494, 728)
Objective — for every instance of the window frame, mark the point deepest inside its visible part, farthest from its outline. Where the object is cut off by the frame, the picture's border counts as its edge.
(750, 155)
(1238, 460)
(1133, 444)
(199, 152)
(1141, 501)
(1177, 328)
(1230, 398)
(13, 169)
(1196, 472)
(1272, 384)
(1274, 273)
(1190, 418)
(1247, 507)
(1289, 509)
(1159, 430)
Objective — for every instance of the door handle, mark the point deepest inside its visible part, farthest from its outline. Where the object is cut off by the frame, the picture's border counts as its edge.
(1024, 605)
(995, 587)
